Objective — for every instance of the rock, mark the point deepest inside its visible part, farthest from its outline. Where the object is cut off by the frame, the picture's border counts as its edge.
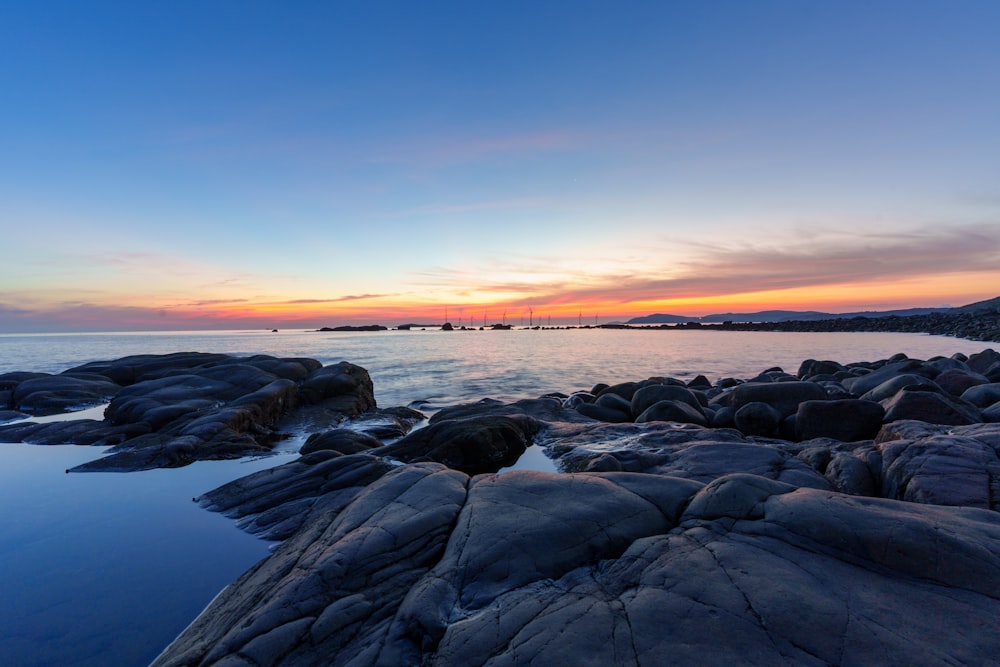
(132, 369)
(784, 397)
(342, 387)
(473, 445)
(672, 411)
(624, 389)
(53, 394)
(327, 594)
(757, 418)
(646, 396)
(846, 420)
(811, 367)
(699, 382)
(929, 406)
(170, 410)
(276, 502)
(614, 401)
(984, 363)
(11, 415)
(417, 570)
(942, 470)
(956, 381)
(983, 395)
(891, 387)
(340, 440)
(604, 413)
(863, 384)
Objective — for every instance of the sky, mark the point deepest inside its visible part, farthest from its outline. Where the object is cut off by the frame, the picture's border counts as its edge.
(235, 164)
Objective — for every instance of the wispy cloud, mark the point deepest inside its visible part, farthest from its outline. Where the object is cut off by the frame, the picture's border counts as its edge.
(816, 258)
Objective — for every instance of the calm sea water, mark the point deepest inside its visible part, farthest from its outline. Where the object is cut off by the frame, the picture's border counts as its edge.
(105, 569)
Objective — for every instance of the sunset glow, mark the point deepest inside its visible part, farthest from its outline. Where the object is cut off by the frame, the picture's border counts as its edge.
(274, 166)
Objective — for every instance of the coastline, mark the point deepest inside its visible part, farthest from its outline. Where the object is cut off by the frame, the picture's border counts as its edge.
(636, 456)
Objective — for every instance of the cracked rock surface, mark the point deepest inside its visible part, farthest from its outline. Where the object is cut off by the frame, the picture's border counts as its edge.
(427, 566)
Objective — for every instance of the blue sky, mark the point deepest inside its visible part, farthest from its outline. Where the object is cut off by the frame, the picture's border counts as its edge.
(224, 164)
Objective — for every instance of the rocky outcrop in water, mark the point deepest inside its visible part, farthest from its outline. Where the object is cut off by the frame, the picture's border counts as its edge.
(170, 410)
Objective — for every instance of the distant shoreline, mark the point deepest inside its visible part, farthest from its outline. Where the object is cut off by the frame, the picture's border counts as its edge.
(984, 326)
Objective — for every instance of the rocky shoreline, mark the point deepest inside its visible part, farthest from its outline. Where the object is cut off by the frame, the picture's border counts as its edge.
(972, 326)
(846, 513)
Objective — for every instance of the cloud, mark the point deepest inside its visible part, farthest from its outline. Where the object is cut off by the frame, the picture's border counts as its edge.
(814, 258)
(339, 299)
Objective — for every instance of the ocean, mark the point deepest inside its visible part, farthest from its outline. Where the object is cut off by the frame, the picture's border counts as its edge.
(107, 568)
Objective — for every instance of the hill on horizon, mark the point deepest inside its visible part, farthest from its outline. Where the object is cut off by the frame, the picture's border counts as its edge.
(989, 305)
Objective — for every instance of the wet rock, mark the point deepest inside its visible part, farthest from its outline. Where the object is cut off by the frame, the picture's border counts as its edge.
(53, 394)
(846, 420)
(473, 444)
(276, 502)
(342, 440)
(11, 415)
(343, 387)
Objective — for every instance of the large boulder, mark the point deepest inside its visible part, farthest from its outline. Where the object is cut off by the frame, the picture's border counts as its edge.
(864, 383)
(343, 387)
(891, 387)
(473, 445)
(672, 411)
(784, 397)
(646, 396)
(846, 419)
(956, 381)
(930, 406)
(757, 418)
